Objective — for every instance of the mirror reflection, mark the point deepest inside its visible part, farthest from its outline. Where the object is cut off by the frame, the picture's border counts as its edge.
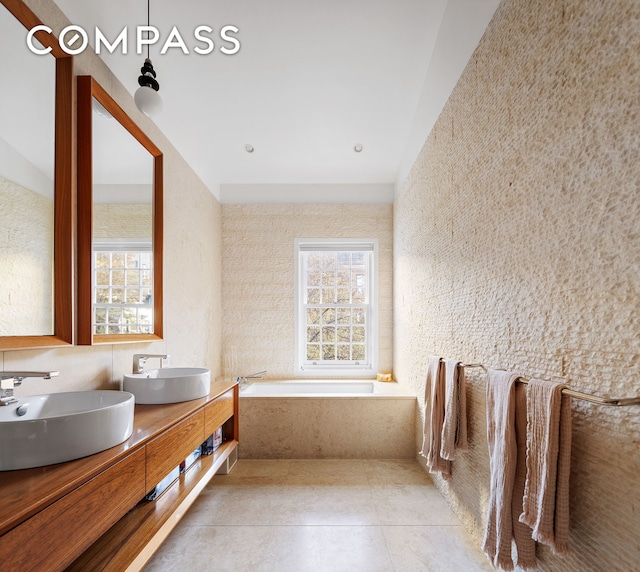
(122, 261)
(27, 160)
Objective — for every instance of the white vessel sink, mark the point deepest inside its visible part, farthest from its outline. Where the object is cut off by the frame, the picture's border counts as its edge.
(168, 385)
(47, 429)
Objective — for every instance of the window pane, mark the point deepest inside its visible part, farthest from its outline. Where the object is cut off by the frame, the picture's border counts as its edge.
(129, 315)
(328, 278)
(133, 259)
(343, 296)
(344, 334)
(145, 296)
(117, 277)
(357, 315)
(100, 315)
(313, 315)
(328, 295)
(358, 334)
(328, 352)
(344, 259)
(329, 261)
(115, 315)
(358, 295)
(133, 277)
(146, 278)
(117, 259)
(102, 295)
(313, 351)
(313, 334)
(117, 295)
(313, 261)
(102, 260)
(328, 334)
(343, 352)
(102, 278)
(146, 260)
(100, 330)
(357, 258)
(313, 296)
(133, 296)
(145, 315)
(313, 278)
(357, 352)
(343, 279)
(344, 315)
(329, 316)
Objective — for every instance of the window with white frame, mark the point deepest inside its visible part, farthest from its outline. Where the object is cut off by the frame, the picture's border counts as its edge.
(336, 306)
(122, 287)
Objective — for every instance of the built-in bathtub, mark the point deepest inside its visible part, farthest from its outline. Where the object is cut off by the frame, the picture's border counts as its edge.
(309, 419)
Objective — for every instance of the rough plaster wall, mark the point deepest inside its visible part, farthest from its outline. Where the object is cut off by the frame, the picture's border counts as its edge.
(517, 244)
(122, 221)
(26, 261)
(192, 264)
(258, 277)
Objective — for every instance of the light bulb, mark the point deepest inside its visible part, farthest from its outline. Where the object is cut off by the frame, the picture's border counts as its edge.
(148, 100)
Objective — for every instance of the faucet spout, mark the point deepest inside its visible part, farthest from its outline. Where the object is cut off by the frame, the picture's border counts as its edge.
(244, 378)
(11, 379)
(20, 375)
(139, 360)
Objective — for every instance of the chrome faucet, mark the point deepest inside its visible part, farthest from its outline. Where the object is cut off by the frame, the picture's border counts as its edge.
(11, 379)
(140, 359)
(244, 378)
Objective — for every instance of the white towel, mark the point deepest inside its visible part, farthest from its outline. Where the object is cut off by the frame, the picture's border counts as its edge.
(454, 429)
(434, 418)
(545, 507)
(504, 406)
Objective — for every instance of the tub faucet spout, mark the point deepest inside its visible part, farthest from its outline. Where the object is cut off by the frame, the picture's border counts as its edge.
(245, 378)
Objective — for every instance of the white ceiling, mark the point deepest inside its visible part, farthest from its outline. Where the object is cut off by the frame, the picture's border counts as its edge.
(311, 80)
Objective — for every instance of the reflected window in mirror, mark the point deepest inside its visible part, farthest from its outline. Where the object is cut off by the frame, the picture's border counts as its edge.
(35, 187)
(119, 224)
(123, 287)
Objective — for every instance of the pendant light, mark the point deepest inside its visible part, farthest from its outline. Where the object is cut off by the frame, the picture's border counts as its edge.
(147, 98)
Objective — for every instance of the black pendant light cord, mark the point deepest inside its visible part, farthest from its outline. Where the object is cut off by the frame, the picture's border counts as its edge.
(148, 23)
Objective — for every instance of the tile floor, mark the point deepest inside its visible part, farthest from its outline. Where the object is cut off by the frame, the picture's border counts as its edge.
(320, 515)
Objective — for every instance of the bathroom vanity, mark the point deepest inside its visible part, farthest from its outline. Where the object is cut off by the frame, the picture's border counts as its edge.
(90, 514)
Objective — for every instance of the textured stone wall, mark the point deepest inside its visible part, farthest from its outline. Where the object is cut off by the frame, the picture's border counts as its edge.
(258, 278)
(517, 244)
(26, 261)
(122, 220)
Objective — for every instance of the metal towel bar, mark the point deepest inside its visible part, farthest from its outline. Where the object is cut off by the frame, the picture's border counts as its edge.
(615, 402)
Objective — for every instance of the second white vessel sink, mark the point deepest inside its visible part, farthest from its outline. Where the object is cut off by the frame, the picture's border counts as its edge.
(168, 385)
(47, 429)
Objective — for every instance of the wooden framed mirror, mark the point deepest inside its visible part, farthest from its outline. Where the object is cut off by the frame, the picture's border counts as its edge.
(120, 224)
(36, 186)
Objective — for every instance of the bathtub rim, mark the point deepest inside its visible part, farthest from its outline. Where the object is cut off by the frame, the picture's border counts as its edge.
(382, 390)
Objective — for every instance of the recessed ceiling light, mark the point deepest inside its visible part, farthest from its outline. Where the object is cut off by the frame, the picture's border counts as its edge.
(357, 147)
(248, 148)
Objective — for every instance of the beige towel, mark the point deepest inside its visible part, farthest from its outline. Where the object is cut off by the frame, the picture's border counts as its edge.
(454, 429)
(504, 406)
(434, 418)
(545, 506)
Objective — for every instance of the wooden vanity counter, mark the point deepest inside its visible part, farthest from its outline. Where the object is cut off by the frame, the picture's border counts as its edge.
(28, 492)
